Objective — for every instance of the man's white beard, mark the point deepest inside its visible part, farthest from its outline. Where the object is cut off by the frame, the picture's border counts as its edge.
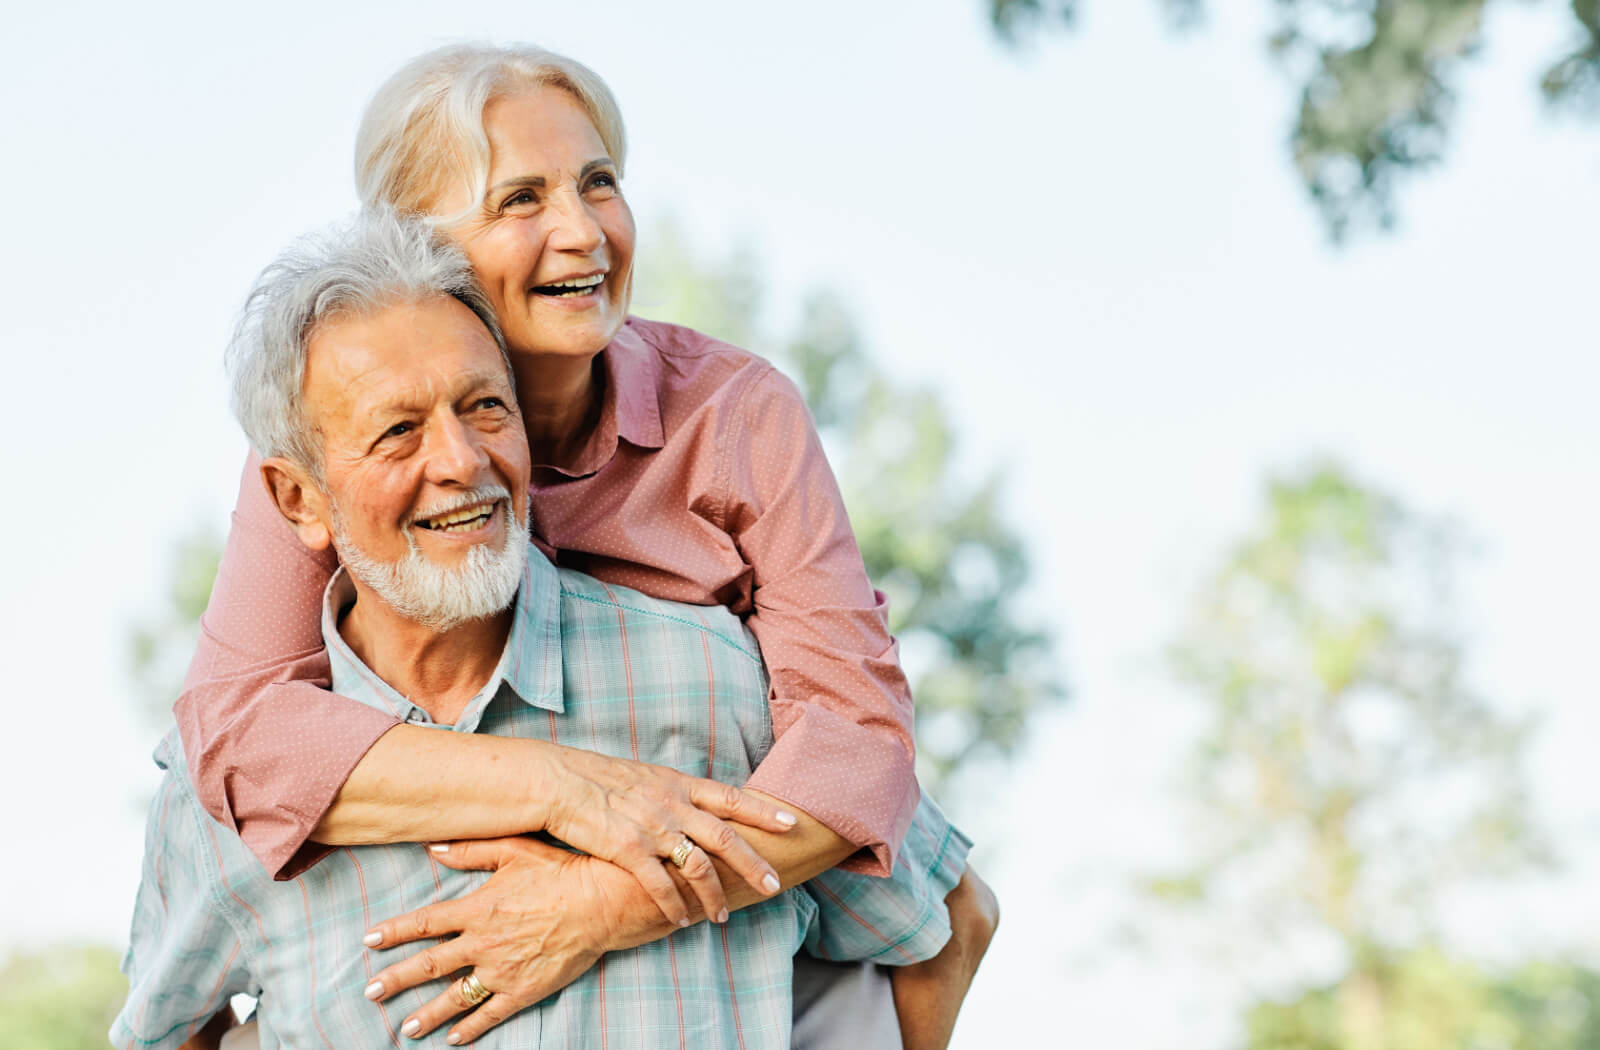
(441, 598)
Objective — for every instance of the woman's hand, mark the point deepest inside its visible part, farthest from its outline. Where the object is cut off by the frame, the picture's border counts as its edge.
(633, 814)
(539, 923)
(421, 785)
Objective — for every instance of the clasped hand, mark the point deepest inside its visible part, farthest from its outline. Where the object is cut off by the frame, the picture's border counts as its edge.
(544, 917)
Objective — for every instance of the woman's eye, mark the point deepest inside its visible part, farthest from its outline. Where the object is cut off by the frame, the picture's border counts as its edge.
(603, 180)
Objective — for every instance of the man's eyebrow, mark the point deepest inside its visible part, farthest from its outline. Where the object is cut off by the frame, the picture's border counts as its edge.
(537, 181)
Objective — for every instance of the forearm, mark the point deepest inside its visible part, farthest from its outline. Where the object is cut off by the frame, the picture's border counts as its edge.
(429, 785)
(210, 1037)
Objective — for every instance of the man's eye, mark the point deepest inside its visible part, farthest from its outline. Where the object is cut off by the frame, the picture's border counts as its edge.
(519, 197)
(398, 430)
(491, 402)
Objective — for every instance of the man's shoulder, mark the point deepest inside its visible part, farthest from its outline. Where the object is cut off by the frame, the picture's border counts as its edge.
(588, 603)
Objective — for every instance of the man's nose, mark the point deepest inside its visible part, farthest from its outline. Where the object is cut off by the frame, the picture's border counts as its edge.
(455, 453)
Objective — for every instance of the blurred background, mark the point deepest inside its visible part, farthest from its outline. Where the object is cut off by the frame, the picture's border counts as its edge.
(1213, 386)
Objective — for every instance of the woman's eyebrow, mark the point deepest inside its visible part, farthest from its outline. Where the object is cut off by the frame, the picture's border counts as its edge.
(538, 182)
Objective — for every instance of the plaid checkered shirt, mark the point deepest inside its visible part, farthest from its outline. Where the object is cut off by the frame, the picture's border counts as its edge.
(586, 665)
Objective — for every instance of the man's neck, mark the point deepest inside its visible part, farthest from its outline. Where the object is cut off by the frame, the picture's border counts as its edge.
(439, 671)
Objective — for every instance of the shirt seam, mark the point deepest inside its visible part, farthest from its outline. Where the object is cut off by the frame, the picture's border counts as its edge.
(724, 475)
(700, 627)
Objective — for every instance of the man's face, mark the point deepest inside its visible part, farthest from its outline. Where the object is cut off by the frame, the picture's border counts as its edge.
(425, 460)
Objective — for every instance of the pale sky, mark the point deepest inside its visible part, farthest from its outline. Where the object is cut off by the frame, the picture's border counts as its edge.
(1097, 251)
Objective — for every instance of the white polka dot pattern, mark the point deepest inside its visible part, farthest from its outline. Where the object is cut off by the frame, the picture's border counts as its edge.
(704, 482)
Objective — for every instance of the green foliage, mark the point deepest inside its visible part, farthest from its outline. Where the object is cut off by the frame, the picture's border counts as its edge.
(1425, 1000)
(1377, 85)
(62, 998)
(942, 549)
(1346, 774)
(160, 648)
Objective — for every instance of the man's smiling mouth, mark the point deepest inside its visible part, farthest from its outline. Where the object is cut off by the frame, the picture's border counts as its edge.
(466, 520)
(572, 287)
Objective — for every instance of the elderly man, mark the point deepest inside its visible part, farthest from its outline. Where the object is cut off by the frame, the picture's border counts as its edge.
(406, 453)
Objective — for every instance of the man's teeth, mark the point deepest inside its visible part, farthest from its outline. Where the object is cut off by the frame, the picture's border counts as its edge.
(571, 287)
(459, 521)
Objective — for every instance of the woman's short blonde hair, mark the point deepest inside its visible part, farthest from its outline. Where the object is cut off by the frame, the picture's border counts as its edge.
(422, 134)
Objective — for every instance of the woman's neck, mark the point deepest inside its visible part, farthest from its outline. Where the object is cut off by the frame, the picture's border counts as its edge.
(561, 398)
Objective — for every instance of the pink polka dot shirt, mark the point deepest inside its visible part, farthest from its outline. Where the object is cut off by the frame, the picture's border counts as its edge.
(703, 482)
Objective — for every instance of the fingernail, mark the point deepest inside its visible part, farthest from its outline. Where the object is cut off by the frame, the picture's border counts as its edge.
(454, 1039)
(439, 847)
(771, 883)
(786, 818)
(374, 990)
(722, 916)
(411, 1028)
(684, 924)
(373, 939)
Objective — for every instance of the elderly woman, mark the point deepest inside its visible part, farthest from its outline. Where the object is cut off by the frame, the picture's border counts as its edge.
(665, 461)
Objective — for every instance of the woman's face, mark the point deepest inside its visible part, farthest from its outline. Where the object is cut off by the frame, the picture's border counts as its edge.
(552, 241)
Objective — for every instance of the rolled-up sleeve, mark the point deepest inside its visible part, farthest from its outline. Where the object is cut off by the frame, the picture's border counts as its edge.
(841, 705)
(899, 920)
(184, 960)
(269, 747)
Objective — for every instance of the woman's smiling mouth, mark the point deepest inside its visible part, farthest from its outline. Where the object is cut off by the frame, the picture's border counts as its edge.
(572, 287)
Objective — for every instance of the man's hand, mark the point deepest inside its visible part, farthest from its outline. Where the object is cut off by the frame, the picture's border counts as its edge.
(420, 785)
(537, 925)
(546, 915)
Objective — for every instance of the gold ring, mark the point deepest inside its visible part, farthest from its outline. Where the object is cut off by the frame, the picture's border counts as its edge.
(472, 990)
(680, 852)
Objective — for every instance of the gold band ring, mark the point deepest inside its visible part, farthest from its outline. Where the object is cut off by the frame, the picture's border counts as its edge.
(472, 991)
(680, 852)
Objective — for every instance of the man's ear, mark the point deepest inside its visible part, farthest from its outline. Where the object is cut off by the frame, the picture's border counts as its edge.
(300, 500)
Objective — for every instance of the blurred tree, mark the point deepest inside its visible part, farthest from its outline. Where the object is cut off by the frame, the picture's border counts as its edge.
(1436, 1003)
(943, 551)
(1376, 80)
(1346, 775)
(62, 998)
(159, 649)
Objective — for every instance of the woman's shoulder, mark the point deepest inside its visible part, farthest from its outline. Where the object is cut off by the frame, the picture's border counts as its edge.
(693, 368)
(690, 351)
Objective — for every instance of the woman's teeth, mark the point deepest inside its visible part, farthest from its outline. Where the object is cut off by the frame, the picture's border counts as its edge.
(575, 286)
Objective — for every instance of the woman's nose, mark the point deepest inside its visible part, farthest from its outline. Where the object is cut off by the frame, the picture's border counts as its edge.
(575, 228)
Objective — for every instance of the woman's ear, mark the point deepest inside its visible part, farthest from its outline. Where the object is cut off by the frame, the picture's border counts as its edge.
(300, 500)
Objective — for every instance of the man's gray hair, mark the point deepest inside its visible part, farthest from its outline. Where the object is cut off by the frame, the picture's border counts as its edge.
(375, 260)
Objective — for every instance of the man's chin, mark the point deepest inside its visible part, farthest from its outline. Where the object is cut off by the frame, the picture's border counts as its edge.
(476, 584)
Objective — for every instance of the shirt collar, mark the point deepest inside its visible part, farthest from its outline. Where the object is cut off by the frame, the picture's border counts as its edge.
(530, 666)
(630, 408)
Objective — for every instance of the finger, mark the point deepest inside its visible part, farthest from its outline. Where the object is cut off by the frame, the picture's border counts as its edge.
(702, 877)
(495, 1009)
(647, 869)
(436, 1011)
(729, 803)
(430, 964)
(481, 854)
(721, 841)
(433, 920)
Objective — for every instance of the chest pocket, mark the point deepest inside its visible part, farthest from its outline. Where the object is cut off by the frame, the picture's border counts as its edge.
(677, 685)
